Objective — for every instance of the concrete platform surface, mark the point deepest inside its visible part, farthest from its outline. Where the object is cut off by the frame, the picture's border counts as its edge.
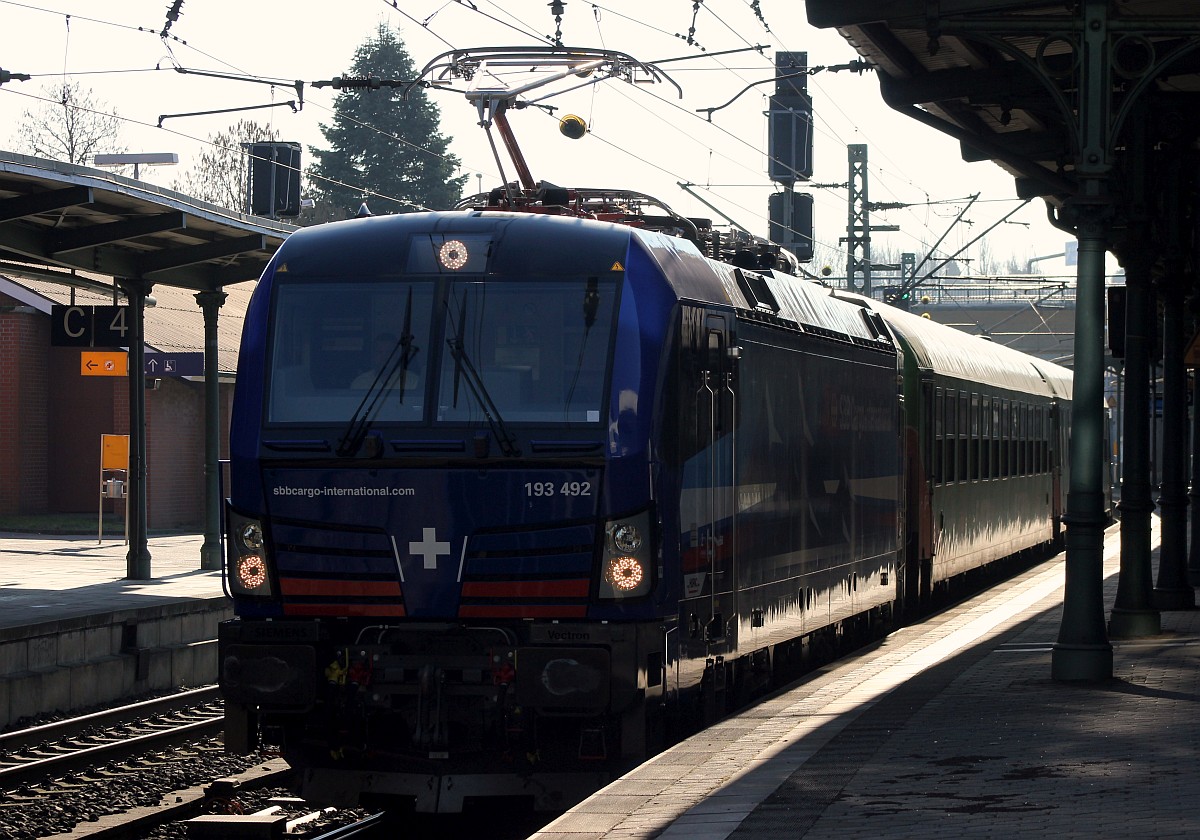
(76, 632)
(45, 578)
(950, 728)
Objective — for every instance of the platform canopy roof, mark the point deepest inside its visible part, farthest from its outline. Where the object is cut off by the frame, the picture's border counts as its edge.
(1004, 76)
(55, 217)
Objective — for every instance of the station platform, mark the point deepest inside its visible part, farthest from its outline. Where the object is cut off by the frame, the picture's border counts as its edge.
(951, 728)
(75, 632)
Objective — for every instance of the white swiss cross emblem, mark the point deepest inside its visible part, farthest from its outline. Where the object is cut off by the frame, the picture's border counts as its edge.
(429, 547)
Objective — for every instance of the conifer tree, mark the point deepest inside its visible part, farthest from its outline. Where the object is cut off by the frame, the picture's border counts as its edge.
(383, 149)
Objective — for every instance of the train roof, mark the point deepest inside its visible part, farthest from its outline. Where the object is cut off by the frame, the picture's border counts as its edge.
(949, 352)
(769, 296)
(586, 246)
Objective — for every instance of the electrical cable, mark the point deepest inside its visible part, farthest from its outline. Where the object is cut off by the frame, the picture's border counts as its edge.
(822, 127)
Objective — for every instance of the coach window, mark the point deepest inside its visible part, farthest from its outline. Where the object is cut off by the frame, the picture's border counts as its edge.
(939, 435)
(974, 431)
(987, 460)
(1038, 420)
(1002, 436)
(1025, 439)
(1035, 434)
(1035, 439)
(964, 441)
(1043, 433)
(993, 437)
(1012, 408)
(951, 408)
(999, 468)
(997, 435)
(1022, 438)
(1048, 437)
(984, 412)
(1002, 433)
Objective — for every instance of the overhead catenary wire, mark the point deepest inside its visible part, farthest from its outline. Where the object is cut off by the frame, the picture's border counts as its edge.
(723, 13)
(526, 30)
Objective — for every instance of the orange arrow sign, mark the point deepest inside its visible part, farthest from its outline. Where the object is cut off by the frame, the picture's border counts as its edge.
(104, 363)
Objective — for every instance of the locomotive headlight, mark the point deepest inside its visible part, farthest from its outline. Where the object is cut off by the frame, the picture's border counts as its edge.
(252, 536)
(626, 537)
(248, 570)
(626, 564)
(251, 571)
(453, 254)
(624, 574)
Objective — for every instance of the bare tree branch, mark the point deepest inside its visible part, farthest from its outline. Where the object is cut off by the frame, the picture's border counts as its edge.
(221, 173)
(73, 129)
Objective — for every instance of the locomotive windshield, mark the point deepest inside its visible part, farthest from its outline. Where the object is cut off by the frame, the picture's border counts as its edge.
(420, 350)
(529, 351)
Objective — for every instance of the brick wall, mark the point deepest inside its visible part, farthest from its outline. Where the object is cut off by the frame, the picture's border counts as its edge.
(175, 451)
(52, 418)
(24, 480)
(81, 409)
(175, 455)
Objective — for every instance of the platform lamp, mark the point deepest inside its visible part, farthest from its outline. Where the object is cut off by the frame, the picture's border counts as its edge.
(137, 159)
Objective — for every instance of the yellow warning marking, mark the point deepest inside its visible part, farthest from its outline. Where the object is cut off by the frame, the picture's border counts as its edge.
(616, 266)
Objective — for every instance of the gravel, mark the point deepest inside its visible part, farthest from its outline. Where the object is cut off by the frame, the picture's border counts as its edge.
(28, 814)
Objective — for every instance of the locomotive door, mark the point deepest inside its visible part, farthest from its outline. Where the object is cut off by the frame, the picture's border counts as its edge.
(716, 413)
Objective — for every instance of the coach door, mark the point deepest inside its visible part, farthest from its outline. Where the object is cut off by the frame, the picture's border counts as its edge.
(716, 410)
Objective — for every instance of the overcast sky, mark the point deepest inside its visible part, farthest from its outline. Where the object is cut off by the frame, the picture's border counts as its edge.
(643, 137)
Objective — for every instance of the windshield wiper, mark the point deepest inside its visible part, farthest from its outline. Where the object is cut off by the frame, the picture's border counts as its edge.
(463, 367)
(393, 370)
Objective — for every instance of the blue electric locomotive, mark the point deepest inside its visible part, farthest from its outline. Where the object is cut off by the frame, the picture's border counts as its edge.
(513, 493)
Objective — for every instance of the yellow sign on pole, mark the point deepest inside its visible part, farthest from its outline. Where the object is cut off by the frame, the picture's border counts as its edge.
(114, 452)
(104, 363)
(114, 471)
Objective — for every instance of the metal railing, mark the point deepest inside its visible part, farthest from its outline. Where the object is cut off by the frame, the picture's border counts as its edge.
(977, 294)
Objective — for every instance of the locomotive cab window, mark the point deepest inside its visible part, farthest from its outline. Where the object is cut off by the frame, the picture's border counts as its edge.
(532, 351)
(518, 350)
(334, 342)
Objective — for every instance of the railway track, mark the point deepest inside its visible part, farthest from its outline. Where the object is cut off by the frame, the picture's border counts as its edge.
(271, 823)
(109, 737)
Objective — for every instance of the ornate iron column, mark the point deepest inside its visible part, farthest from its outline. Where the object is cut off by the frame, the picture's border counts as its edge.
(1082, 651)
(1172, 590)
(1193, 564)
(137, 560)
(1133, 611)
(210, 552)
